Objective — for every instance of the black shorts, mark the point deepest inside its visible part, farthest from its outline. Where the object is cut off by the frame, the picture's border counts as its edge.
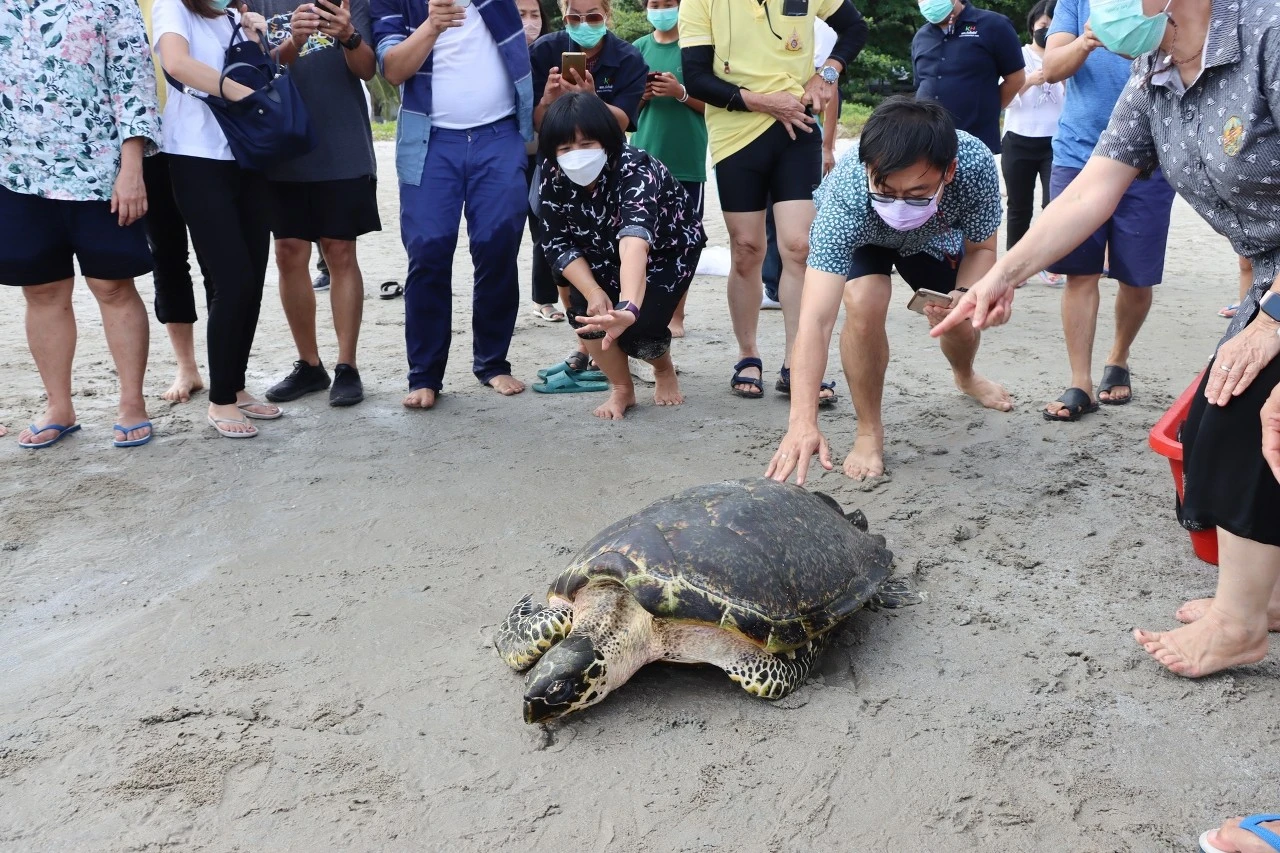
(669, 278)
(42, 236)
(920, 270)
(698, 195)
(774, 167)
(324, 210)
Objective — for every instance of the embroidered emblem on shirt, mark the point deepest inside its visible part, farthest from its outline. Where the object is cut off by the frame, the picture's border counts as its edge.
(969, 31)
(793, 43)
(1233, 136)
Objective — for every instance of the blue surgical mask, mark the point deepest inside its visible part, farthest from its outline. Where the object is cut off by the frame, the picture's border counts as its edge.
(219, 5)
(1122, 27)
(936, 11)
(664, 20)
(586, 36)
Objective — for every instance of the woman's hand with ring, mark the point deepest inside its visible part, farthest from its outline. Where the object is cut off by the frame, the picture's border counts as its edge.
(1240, 360)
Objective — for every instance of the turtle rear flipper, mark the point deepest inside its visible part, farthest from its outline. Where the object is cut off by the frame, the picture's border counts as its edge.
(896, 592)
(857, 518)
(529, 630)
(772, 676)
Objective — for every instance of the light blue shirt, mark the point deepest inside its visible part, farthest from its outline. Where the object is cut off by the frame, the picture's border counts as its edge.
(1092, 91)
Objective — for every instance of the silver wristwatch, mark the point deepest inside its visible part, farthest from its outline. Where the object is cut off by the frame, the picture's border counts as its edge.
(829, 74)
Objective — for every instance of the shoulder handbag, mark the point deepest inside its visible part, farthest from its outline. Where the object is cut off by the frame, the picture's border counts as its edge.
(268, 126)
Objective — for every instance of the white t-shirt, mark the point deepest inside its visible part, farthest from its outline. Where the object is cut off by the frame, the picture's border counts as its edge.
(824, 38)
(187, 126)
(470, 84)
(1035, 112)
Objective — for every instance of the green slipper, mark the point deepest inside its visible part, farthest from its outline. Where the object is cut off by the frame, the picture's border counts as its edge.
(567, 383)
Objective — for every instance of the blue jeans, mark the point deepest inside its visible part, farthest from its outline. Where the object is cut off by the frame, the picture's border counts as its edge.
(480, 172)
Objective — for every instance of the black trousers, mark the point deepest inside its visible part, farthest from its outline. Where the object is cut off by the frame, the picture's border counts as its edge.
(167, 236)
(226, 209)
(1022, 160)
(544, 285)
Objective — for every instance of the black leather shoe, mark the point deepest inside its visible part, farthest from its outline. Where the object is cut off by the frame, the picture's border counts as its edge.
(305, 379)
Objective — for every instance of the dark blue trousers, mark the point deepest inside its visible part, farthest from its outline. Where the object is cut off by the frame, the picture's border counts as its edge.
(480, 172)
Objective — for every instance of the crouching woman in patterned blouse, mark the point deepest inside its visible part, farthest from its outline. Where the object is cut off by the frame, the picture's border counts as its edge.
(1203, 104)
(622, 236)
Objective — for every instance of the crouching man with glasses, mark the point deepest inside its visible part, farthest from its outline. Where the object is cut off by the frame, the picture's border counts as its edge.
(915, 194)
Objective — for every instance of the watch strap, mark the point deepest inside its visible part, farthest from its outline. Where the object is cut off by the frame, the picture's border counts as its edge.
(628, 305)
(353, 42)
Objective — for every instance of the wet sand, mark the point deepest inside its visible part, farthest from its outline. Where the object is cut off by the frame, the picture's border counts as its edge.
(283, 643)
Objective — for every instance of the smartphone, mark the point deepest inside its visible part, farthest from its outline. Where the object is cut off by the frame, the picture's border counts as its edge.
(463, 3)
(576, 61)
(653, 75)
(923, 297)
(795, 8)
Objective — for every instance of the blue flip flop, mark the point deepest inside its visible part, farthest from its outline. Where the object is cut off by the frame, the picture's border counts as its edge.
(137, 442)
(567, 383)
(36, 429)
(1249, 824)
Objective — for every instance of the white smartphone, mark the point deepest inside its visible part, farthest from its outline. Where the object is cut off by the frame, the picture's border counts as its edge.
(923, 297)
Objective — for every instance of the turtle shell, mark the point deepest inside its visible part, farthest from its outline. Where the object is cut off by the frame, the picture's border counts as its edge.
(770, 560)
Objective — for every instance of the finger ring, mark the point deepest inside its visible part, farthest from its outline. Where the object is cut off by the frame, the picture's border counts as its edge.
(1225, 368)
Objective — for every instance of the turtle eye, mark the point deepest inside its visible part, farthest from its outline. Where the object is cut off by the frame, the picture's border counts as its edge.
(560, 692)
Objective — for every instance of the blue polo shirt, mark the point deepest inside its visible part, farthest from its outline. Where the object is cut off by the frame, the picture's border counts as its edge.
(961, 68)
(618, 70)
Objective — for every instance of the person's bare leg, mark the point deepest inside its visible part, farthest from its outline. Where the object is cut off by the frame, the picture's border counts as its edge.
(1196, 608)
(864, 354)
(124, 321)
(298, 297)
(745, 286)
(1233, 631)
(1132, 306)
(51, 335)
(1079, 324)
(1246, 276)
(666, 390)
(346, 296)
(182, 337)
(960, 346)
(676, 326)
(792, 219)
(622, 391)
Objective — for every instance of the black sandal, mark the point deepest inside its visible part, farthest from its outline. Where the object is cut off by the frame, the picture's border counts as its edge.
(783, 386)
(390, 290)
(1113, 375)
(1076, 403)
(578, 361)
(739, 379)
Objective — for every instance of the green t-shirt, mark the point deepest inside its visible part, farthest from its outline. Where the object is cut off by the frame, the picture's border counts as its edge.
(666, 128)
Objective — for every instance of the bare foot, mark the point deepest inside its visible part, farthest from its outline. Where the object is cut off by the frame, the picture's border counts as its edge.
(128, 416)
(866, 459)
(667, 390)
(422, 398)
(616, 407)
(990, 394)
(1206, 646)
(507, 386)
(1230, 838)
(184, 385)
(252, 407)
(676, 327)
(1198, 607)
(3, 431)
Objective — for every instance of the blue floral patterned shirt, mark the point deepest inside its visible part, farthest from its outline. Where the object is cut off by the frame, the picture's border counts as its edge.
(968, 210)
(77, 81)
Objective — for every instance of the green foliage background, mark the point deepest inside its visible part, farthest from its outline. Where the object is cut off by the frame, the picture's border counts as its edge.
(883, 67)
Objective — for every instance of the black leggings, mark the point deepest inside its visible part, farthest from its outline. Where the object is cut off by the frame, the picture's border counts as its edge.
(226, 210)
(1023, 158)
(544, 285)
(167, 236)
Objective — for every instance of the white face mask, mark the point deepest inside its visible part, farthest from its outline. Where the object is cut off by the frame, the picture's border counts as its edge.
(583, 165)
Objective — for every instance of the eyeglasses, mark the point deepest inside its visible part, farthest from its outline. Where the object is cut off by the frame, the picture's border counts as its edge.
(592, 18)
(909, 202)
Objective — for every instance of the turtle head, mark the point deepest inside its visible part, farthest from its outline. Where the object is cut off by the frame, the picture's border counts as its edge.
(569, 677)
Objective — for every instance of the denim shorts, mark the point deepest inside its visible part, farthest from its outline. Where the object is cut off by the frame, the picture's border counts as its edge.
(1131, 244)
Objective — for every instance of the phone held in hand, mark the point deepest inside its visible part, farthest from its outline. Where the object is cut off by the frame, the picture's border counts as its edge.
(653, 75)
(463, 3)
(577, 62)
(923, 297)
(795, 8)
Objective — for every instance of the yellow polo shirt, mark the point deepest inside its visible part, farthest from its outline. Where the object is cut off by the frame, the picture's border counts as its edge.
(162, 88)
(765, 52)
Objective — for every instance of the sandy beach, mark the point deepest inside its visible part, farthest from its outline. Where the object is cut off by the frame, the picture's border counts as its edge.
(283, 644)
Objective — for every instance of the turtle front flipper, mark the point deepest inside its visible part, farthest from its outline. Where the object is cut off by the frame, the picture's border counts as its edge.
(529, 630)
(771, 676)
(896, 592)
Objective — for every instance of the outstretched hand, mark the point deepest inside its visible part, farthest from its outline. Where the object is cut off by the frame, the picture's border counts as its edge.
(988, 303)
(798, 447)
(612, 322)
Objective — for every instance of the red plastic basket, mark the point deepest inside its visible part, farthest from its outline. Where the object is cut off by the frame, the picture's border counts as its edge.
(1164, 440)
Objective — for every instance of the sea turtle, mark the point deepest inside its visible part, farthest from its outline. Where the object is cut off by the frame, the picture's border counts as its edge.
(747, 575)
